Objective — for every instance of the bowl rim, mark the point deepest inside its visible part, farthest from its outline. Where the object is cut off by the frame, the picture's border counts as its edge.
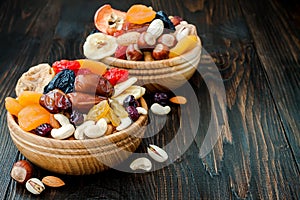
(100, 140)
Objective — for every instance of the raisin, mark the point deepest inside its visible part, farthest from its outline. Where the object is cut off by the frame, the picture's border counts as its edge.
(161, 98)
(130, 101)
(76, 117)
(164, 17)
(43, 130)
(56, 101)
(64, 81)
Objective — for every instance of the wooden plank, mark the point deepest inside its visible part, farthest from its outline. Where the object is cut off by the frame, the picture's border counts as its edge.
(278, 47)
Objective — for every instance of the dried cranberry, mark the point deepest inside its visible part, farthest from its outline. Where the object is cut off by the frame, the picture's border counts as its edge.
(55, 101)
(161, 98)
(43, 130)
(73, 65)
(130, 101)
(133, 113)
(115, 75)
(76, 117)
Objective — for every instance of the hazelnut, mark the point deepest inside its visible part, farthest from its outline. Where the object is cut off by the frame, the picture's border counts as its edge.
(167, 39)
(21, 171)
(160, 52)
(146, 41)
(134, 53)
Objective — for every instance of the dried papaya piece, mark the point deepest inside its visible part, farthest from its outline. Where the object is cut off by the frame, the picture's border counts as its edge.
(140, 14)
(12, 106)
(184, 45)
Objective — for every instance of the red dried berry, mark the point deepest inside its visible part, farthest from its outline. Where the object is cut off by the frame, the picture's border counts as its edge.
(121, 52)
(115, 75)
(73, 65)
(43, 130)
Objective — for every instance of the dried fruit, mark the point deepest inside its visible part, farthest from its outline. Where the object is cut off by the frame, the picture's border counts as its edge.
(118, 109)
(35, 186)
(60, 65)
(121, 87)
(21, 171)
(56, 101)
(160, 52)
(32, 116)
(43, 130)
(157, 153)
(115, 75)
(140, 14)
(161, 98)
(113, 118)
(94, 66)
(109, 20)
(132, 113)
(64, 81)
(29, 97)
(128, 38)
(134, 53)
(178, 100)
(130, 101)
(53, 181)
(148, 56)
(12, 106)
(141, 163)
(76, 117)
(98, 111)
(184, 45)
(121, 52)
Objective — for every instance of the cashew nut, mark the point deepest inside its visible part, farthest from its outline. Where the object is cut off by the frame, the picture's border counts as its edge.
(63, 132)
(159, 109)
(125, 122)
(79, 132)
(97, 130)
(62, 119)
(142, 110)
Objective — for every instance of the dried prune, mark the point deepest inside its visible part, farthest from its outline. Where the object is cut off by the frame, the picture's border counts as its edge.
(84, 101)
(93, 84)
(133, 113)
(161, 98)
(43, 130)
(76, 117)
(64, 81)
(56, 101)
(165, 18)
(130, 101)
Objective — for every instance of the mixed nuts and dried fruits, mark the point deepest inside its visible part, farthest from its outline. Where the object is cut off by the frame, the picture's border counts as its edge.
(139, 34)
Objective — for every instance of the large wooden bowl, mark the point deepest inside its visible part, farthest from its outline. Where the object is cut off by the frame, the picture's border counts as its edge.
(161, 74)
(78, 157)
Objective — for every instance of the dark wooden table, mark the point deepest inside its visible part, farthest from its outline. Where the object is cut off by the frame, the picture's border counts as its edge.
(255, 45)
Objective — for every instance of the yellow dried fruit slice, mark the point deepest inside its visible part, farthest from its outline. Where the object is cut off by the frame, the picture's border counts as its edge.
(98, 111)
(184, 45)
(118, 109)
(113, 118)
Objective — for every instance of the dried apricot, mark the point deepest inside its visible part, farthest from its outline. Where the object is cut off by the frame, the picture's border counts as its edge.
(33, 116)
(12, 106)
(29, 97)
(140, 14)
(94, 66)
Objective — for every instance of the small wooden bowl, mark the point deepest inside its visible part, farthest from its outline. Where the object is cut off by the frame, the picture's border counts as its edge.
(161, 74)
(78, 157)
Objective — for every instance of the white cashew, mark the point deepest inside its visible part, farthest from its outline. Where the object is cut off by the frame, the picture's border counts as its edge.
(63, 132)
(97, 130)
(79, 134)
(62, 119)
(142, 110)
(125, 122)
(159, 109)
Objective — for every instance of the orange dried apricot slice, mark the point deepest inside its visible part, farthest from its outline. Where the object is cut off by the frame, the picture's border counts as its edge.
(32, 116)
(29, 97)
(140, 14)
(94, 66)
(12, 106)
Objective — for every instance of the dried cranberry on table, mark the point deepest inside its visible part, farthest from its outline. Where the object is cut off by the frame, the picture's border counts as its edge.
(115, 75)
(63, 81)
(58, 66)
(56, 101)
(161, 98)
(133, 113)
(43, 130)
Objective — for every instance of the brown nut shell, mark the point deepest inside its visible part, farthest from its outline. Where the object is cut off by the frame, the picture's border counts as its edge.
(21, 171)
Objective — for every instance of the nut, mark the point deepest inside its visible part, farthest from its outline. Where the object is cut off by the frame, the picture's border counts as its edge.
(53, 181)
(142, 110)
(35, 186)
(121, 87)
(125, 122)
(148, 56)
(160, 52)
(156, 28)
(141, 163)
(21, 171)
(167, 39)
(178, 100)
(146, 41)
(128, 38)
(134, 53)
(181, 33)
(157, 153)
(63, 132)
(97, 130)
(62, 119)
(159, 109)
(79, 132)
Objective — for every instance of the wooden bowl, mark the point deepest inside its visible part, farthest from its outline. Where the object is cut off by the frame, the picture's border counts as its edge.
(161, 74)
(78, 157)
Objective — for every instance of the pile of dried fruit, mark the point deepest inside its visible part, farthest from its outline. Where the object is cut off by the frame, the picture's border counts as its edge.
(140, 34)
(82, 99)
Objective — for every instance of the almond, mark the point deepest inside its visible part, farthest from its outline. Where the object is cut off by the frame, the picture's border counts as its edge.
(178, 100)
(53, 181)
